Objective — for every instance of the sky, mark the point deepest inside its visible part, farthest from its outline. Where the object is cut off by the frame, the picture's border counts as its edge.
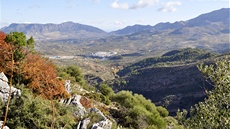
(108, 15)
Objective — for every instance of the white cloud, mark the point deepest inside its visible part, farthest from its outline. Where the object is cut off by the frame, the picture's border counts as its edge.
(139, 4)
(170, 6)
(119, 22)
(117, 5)
(144, 3)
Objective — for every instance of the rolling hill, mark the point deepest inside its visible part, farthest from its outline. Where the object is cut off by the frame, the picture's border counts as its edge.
(172, 80)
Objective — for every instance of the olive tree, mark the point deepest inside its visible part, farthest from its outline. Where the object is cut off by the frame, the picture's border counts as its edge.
(214, 111)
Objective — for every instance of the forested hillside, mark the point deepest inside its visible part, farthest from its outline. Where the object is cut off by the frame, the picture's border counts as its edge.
(172, 80)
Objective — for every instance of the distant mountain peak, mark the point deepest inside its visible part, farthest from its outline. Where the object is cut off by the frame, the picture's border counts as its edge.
(52, 31)
(222, 16)
(132, 29)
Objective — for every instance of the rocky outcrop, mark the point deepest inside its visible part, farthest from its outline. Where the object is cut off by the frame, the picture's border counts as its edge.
(83, 124)
(104, 124)
(5, 88)
(82, 103)
(68, 86)
(97, 111)
(75, 101)
(5, 127)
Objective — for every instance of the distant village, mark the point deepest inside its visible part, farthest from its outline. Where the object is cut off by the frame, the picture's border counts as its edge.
(100, 55)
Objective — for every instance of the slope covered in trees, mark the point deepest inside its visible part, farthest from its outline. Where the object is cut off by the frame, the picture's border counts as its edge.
(186, 55)
(172, 80)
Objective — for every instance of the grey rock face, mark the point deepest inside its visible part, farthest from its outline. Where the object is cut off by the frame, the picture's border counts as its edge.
(68, 86)
(83, 124)
(81, 112)
(5, 88)
(104, 124)
(76, 101)
(5, 127)
(97, 111)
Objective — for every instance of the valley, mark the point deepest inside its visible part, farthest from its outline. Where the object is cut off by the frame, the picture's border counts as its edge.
(160, 62)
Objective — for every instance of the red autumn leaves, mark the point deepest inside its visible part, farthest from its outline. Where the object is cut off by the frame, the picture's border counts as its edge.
(37, 73)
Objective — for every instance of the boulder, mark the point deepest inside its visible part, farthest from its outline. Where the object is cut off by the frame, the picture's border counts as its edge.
(68, 86)
(104, 124)
(75, 100)
(5, 88)
(83, 124)
(5, 127)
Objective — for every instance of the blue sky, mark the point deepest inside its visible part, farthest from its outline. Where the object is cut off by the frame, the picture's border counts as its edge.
(108, 15)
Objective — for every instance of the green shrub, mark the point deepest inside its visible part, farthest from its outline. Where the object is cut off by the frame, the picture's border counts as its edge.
(214, 112)
(163, 112)
(29, 112)
(106, 90)
(72, 71)
(139, 112)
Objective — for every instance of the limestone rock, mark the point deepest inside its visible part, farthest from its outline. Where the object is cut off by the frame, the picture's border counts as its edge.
(104, 124)
(83, 124)
(76, 101)
(5, 88)
(68, 86)
(5, 127)
(97, 111)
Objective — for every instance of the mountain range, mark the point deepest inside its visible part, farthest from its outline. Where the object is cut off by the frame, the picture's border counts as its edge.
(217, 21)
(66, 30)
(213, 19)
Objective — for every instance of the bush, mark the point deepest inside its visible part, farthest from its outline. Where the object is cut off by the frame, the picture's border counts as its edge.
(106, 90)
(34, 112)
(214, 112)
(163, 112)
(71, 72)
(139, 112)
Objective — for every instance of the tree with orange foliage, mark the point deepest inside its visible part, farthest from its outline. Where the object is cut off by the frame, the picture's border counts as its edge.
(16, 45)
(42, 80)
(7, 61)
(5, 56)
(40, 74)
